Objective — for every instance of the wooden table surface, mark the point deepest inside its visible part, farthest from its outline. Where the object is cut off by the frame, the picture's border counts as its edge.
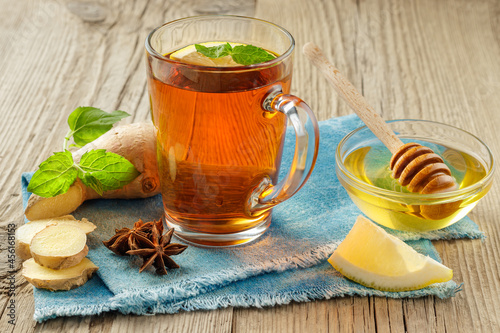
(434, 60)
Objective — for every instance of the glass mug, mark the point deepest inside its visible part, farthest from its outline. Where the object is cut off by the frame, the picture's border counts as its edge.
(220, 130)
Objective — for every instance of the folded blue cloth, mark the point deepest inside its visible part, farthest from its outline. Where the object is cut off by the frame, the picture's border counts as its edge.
(288, 263)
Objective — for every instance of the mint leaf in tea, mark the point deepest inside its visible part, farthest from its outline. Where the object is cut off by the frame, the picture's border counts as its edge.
(214, 51)
(222, 54)
(249, 55)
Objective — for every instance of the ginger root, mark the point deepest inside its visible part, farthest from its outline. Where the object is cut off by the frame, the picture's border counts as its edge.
(26, 232)
(59, 246)
(63, 279)
(136, 142)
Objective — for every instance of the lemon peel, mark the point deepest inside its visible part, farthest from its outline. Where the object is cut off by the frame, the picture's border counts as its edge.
(189, 55)
(373, 258)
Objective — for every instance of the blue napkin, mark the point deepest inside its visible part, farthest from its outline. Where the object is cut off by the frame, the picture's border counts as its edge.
(288, 263)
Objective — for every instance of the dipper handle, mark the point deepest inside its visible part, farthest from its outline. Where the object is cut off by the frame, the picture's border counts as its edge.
(355, 100)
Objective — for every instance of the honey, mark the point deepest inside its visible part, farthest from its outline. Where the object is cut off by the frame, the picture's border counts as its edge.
(370, 165)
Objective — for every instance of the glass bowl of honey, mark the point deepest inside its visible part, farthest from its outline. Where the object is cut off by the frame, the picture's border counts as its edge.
(362, 167)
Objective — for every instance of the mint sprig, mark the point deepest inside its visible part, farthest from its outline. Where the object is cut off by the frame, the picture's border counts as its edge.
(97, 169)
(241, 54)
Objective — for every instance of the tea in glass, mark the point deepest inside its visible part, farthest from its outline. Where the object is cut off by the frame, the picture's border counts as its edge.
(218, 147)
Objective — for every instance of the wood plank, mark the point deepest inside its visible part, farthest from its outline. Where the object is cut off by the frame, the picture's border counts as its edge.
(296, 317)
(200, 321)
(24, 308)
(434, 60)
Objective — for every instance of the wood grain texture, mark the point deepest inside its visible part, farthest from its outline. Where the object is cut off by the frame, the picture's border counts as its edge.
(435, 60)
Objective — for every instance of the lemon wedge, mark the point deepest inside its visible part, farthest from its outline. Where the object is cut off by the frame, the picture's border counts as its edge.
(189, 55)
(373, 258)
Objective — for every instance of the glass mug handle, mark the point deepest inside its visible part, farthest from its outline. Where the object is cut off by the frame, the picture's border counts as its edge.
(266, 195)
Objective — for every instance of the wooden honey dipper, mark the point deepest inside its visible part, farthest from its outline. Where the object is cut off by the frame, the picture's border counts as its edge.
(415, 166)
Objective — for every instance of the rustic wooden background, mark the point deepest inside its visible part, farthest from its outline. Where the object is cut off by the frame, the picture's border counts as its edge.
(435, 60)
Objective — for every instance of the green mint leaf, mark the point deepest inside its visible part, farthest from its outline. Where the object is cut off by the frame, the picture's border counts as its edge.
(111, 170)
(54, 176)
(249, 55)
(88, 123)
(241, 54)
(214, 51)
(90, 181)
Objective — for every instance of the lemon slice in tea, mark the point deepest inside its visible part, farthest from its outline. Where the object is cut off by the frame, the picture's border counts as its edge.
(189, 55)
(372, 257)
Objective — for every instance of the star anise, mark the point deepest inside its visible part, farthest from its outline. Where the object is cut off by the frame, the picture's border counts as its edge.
(121, 242)
(156, 250)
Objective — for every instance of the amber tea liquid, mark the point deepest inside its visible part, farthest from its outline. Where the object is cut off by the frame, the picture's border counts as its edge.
(215, 143)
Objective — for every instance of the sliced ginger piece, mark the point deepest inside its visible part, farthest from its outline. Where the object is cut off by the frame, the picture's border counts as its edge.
(62, 204)
(62, 279)
(25, 233)
(59, 246)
